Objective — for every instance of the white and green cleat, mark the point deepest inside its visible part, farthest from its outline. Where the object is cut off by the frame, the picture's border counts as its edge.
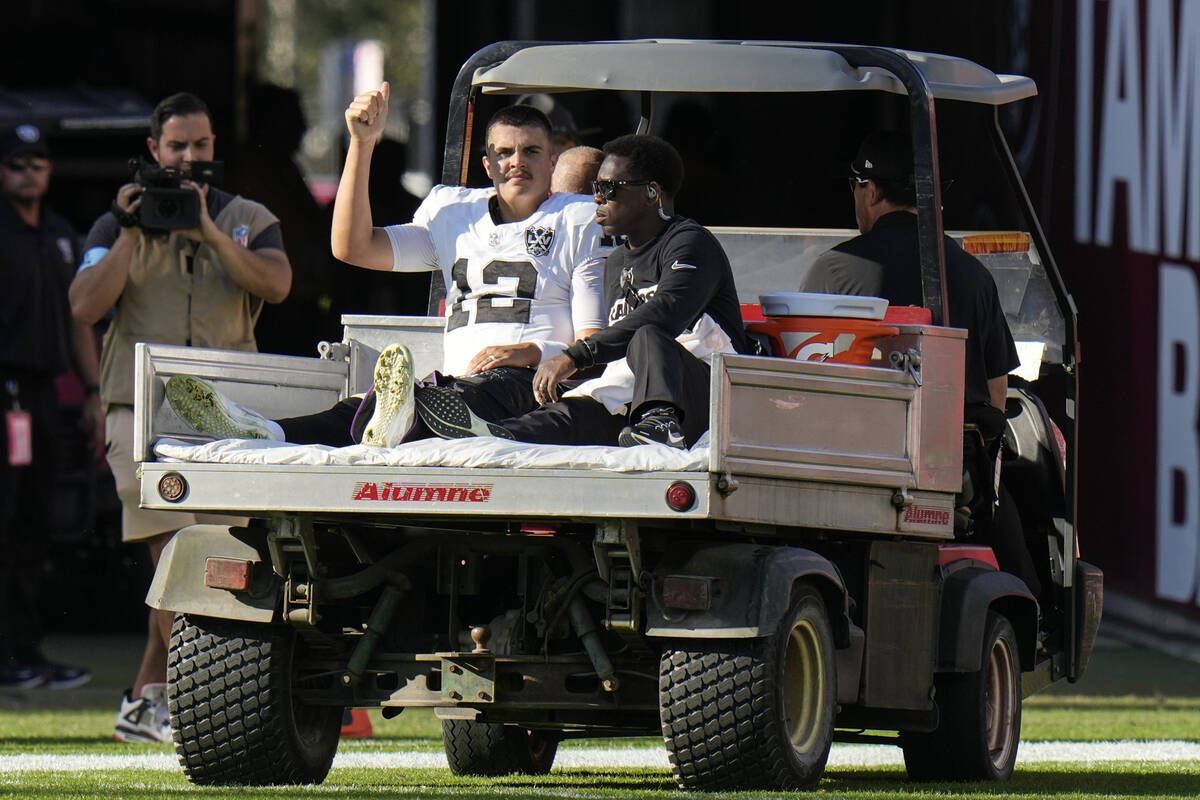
(204, 408)
(394, 413)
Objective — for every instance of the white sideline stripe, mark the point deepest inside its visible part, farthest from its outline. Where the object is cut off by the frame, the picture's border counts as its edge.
(842, 755)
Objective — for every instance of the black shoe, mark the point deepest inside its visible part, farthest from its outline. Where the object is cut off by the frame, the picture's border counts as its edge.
(448, 415)
(657, 426)
(21, 676)
(63, 676)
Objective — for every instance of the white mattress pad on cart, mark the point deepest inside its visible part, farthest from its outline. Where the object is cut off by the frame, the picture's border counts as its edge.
(484, 452)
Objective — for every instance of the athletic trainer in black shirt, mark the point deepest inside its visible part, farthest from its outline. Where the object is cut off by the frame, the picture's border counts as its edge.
(884, 262)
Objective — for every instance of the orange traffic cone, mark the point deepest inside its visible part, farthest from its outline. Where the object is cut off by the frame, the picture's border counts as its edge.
(356, 724)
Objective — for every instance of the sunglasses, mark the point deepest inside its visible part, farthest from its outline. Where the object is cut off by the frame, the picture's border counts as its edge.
(22, 163)
(856, 181)
(608, 189)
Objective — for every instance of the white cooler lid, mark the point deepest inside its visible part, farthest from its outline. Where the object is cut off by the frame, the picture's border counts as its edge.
(812, 304)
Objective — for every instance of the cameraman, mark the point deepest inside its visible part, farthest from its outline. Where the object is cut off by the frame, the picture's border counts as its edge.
(202, 287)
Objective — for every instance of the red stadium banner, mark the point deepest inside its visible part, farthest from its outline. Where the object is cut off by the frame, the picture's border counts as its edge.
(1125, 221)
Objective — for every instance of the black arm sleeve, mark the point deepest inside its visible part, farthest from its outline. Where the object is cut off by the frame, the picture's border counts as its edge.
(690, 267)
(103, 233)
(271, 236)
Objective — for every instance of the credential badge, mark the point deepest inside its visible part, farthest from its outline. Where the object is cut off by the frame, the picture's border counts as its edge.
(538, 240)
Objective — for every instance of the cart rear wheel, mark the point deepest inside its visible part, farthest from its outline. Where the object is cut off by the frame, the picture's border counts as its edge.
(234, 715)
(753, 714)
(979, 713)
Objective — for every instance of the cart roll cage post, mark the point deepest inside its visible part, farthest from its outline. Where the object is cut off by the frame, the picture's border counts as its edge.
(462, 102)
(1071, 357)
(1066, 303)
(926, 172)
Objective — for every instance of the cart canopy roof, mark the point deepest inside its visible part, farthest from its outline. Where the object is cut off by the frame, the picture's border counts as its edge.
(669, 65)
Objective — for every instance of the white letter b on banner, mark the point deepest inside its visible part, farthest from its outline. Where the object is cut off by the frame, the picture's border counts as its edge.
(1178, 482)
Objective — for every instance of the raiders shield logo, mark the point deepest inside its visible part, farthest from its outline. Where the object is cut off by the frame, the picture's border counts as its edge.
(538, 240)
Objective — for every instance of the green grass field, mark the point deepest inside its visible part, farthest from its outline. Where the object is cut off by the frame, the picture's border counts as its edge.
(1127, 695)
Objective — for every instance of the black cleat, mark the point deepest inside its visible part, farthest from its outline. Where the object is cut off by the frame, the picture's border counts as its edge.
(657, 426)
(448, 415)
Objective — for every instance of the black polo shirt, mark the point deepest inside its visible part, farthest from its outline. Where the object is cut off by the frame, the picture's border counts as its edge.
(36, 265)
(971, 293)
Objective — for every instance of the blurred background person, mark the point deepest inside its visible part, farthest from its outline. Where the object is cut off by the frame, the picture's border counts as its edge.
(268, 172)
(368, 291)
(38, 341)
(563, 132)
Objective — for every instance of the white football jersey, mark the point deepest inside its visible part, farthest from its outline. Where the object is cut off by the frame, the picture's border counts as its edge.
(537, 280)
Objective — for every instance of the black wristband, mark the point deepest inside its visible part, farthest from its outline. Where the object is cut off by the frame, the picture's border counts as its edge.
(124, 218)
(91, 389)
(582, 354)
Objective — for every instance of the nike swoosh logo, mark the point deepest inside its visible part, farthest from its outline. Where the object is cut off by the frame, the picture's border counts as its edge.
(680, 265)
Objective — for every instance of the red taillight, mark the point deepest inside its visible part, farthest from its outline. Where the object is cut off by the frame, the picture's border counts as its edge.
(681, 496)
(172, 487)
(687, 593)
(227, 573)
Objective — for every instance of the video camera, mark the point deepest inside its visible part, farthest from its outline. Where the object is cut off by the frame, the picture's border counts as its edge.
(165, 205)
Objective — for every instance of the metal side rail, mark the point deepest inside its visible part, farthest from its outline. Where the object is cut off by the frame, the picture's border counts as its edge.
(386, 491)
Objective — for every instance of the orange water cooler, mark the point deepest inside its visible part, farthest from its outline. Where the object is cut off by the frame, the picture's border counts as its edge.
(842, 329)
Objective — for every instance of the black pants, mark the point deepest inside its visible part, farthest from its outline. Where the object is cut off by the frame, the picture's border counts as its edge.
(496, 394)
(26, 512)
(664, 373)
(997, 520)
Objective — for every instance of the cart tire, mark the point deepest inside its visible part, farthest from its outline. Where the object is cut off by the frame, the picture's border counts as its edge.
(489, 749)
(233, 714)
(753, 713)
(979, 724)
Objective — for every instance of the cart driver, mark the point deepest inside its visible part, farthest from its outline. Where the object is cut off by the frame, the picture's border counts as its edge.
(884, 262)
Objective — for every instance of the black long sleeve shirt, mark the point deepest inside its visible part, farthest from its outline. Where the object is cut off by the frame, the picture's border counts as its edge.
(670, 282)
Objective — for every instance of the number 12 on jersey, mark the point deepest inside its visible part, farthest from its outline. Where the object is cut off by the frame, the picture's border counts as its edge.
(515, 294)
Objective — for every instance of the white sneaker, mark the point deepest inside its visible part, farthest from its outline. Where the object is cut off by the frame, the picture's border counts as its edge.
(394, 413)
(204, 408)
(146, 718)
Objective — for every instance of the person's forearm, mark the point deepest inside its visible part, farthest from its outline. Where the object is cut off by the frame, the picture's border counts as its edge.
(263, 273)
(83, 355)
(97, 288)
(671, 309)
(998, 391)
(353, 229)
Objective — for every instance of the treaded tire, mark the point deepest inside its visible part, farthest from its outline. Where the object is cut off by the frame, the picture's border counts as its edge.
(490, 749)
(979, 724)
(229, 691)
(753, 713)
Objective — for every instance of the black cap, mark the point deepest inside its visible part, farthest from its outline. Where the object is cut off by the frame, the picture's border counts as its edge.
(884, 155)
(22, 139)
